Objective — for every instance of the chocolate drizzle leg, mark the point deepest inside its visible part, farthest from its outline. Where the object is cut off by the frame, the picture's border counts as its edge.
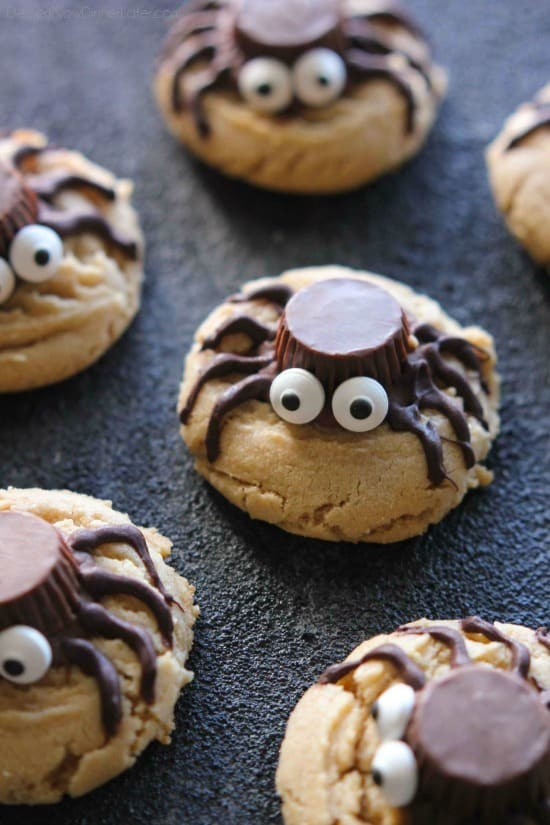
(52, 584)
(69, 222)
(341, 328)
(227, 34)
(539, 118)
(480, 735)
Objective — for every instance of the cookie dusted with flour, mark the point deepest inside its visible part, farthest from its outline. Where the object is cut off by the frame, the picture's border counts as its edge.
(519, 170)
(95, 630)
(439, 723)
(306, 96)
(340, 405)
(70, 261)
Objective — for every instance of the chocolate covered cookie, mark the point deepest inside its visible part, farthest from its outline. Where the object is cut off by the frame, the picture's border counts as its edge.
(438, 723)
(300, 96)
(340, 405)
(71, 261)
(519, 170)
(95, 630)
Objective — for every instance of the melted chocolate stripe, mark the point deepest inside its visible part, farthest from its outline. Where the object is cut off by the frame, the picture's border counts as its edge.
(410, 672)
(68, 224)
(194, 49)
(364, 37)
(394, 13)
(407, 419)
(99, 583)
(279, 294)
(253, 387)
(448, 636)
(92, 662)
(98, 621)
(452, 378)
(48, 185)
(199, 85)
(190, 24)
(220, 366)
(244, 324)
(521, 658)
(24, 152)
(372, 67)
(86, 541)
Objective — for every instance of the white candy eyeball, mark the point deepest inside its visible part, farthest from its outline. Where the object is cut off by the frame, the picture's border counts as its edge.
(319, 77)
(392, 711)
(7, 281)
(35, 253)
(297, 396)
(395, 771)
(266, 84)
(360, 404)
(25, 655)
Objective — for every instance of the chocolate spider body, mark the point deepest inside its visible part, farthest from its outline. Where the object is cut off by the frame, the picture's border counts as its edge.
(50, 607)
(342, 355)
(283, 57)
(32, 226)
(472, 746)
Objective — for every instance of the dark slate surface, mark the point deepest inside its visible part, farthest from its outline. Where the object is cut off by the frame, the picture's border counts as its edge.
(276, 609)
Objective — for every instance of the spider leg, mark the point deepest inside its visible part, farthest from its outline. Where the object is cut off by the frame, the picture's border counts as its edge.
(448, 636)
(362, 36)
(371, 67)
(189, 24)
(68, 224)
(92, 662)
(199, 84)
(24, 152)
(393, 13)
(430, 397)
(97, 620)
(200, 45)
(278, 294)
(407, 419)
(521, 658)
(453, 378)
(86, 540)
(99, 583)
(409, 671)
(50, 184)
(223, 364)
(253, 387)
(245, 324)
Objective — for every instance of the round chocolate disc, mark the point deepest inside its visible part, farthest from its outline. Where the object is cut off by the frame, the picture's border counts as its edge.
(343, 327)
(481, 728)
(38, 581)
(266, 26)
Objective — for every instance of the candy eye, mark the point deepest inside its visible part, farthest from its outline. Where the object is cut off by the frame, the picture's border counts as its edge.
(319, 77)
(392, 711)
(297, 396)
(25, 655)
(266, 84)
(360, 404)
(394, 770)
(36, 252)
(7, 281)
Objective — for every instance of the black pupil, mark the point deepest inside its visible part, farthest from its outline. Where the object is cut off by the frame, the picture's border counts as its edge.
(41, 257)
(290, 400)
(13, 667)
(376, 777)
(360, 408)
(322, 80)
(265, 89)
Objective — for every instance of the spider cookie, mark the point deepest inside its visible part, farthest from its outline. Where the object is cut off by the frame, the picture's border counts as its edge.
(340, 405)
(301, 96)
(443, 723)
(70, 261)
(519, 170)
(95, 630)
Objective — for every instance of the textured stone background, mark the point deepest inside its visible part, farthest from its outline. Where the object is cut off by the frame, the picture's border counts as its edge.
(276, 609)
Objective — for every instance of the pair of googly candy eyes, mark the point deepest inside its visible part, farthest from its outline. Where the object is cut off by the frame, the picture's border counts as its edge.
(34, 256)
(317, 78)
(25, 655)
(358, 404)
(394, 767)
